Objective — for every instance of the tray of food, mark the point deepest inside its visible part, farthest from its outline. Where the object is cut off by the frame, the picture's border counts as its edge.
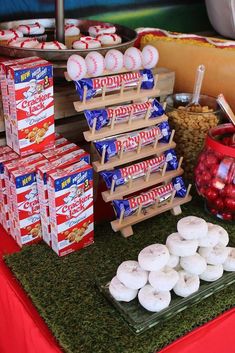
(37, 38)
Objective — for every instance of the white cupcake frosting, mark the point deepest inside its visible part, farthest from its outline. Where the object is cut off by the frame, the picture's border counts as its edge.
(10, 34)
(51, 45)
(30, 29)
(23, 42)
(71, 30)
(101, 29)
(111, 39)
(86, 43)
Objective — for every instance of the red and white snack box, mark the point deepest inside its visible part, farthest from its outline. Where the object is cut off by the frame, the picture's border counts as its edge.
(3, 202)
(8, 167)
(30, 89)
(26, 210)
(42, 171)
(5, 149)
(62, 141)
(5, 93)
(61, 151)
(70, 193)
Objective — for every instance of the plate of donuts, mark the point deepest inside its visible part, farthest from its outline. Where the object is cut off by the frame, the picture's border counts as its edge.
(165, 279)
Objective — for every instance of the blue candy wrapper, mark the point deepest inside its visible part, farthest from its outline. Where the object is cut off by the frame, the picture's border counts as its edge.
(130, 79)
(130, 142)
(122, 113)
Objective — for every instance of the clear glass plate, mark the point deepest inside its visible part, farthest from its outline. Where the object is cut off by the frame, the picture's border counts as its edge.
(140, 320)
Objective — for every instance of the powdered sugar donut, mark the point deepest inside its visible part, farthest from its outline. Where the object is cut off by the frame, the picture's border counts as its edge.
(150, 57)
(132, 275)
(229, 264)
(23, 42)
(212, 237)
(179, 246)
(6, 35)
(31, 29)
(187, 284)
(121, 292)
(212, 273)
(51, 45)
(154, 257)
(86, 43)
(173, 261)
(192, 227)
(152, 300)
(113, 60)
(101, 29)
(216, 255)
(108, 40)
(194, 264)
(76, 67)
(163, 280)
(132, 59)
(71, 30)
(94, 63)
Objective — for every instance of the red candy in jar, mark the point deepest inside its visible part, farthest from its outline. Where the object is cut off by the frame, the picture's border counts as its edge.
(215, 172)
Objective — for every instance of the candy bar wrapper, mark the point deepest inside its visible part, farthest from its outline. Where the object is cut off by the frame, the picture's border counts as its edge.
(130, 141)
(148, 198)
(121, 176)
(113, 83)
(122, 113)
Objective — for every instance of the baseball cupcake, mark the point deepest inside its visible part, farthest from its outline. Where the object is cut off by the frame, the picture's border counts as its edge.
(35, 30)
(23, 42)
(86, 43)
(72, 34)
(101, 29)
(108, 40)
(8, 34)
(51, 45)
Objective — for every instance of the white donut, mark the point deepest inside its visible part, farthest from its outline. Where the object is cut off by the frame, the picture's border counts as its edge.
(71, 30)
(216, 255)
(229, 264)
(163, 280)
(212, 237)
(51, 45)
(120, 292)
(154, 257)
(35, 28)
(173, 261)
(152, 300)
(192, 227)
(212, 273)
(71, 21)
(179, 246)
(107, 39)
(132, 275)
(101, 29)
(86, 43)
(187, 284)
(195, 264)
(23, 42)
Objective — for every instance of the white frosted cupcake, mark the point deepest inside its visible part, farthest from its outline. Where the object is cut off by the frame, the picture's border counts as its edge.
(35, 30)
(86, 43)
(51, 45)
(107, 40)
(72, 34)
(23, 42)
(8, 34)
(101, 29)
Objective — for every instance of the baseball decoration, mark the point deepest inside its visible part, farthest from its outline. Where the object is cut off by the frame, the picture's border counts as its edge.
(76, 67)
(150, 57)
(113, 60)
(132, 59)
(94, 63)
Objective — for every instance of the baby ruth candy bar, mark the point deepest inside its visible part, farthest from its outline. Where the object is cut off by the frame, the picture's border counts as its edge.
(121, 176)
(95, 85)
(130, 141)
(121, 114)
(148, 198)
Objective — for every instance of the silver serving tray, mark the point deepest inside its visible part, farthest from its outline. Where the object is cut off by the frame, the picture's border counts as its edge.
(128, 39)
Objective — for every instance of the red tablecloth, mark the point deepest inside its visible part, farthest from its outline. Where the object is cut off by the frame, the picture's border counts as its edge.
(23, 331)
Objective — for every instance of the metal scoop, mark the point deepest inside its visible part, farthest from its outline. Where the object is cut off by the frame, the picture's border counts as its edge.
(226, 107)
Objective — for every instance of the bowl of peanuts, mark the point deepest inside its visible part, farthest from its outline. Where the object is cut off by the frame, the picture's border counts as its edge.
(191, 125)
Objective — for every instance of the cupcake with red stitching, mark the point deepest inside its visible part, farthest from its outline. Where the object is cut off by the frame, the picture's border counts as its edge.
(72, 34)
(8, 34)
(108, 40)
(86, 43)
(35, 30)
(51, 45)
(101, 29)
(23, 42)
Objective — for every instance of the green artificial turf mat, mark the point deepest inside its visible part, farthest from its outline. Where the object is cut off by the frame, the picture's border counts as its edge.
(64, 292)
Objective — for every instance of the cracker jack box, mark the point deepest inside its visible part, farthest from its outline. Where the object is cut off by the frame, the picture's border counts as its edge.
(70, 193)
(3, 202)
(62, 141)
(31, 107)
(26, 210)
(8, 167)
(59, 151)
(42, 172)
(5, 93)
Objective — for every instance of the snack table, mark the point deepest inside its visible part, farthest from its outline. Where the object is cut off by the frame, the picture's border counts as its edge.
(24, 331)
